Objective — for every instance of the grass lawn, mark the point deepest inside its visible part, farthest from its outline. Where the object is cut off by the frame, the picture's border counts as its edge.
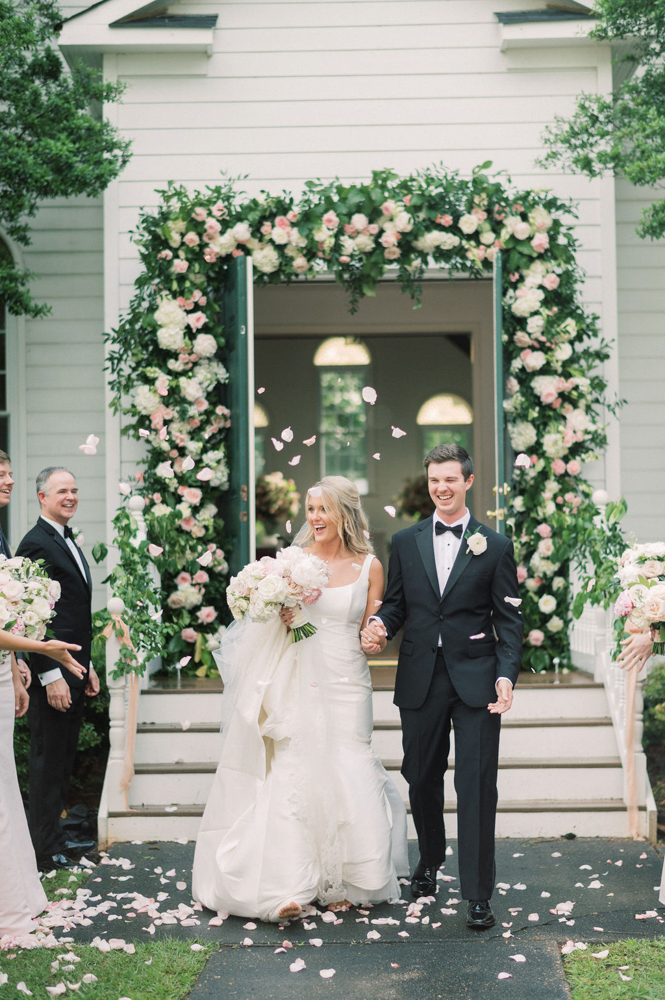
(159, 970)
(600, 978)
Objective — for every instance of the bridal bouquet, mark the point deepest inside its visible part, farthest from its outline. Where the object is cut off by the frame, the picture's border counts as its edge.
(27, 597)
(291, 579)
(642, 602)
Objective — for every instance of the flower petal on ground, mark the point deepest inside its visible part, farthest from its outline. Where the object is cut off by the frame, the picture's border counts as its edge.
(505, 975)
(326, 973)
(297, 966)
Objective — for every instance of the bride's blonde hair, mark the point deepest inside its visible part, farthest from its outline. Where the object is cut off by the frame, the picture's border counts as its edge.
(342, 501)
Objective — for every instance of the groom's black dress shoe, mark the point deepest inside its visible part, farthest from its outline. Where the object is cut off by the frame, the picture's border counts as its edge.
(479, 914)
(47, 862)
(78, 846)
(423, 881)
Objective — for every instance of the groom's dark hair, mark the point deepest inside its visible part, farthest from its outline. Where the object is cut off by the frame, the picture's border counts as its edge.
(451, 453)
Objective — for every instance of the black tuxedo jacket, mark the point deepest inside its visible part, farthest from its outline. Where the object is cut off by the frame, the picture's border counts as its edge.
(473, 603)
(73, 619)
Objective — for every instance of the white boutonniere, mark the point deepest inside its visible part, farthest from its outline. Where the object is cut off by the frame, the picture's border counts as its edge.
(477, 543)
(78, 537)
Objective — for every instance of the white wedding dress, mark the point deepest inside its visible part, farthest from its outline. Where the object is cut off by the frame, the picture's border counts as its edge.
(21, 893)
(301, 809)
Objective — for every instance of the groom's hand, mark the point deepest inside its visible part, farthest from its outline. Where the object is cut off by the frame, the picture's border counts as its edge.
(373, 637)
(504, 690)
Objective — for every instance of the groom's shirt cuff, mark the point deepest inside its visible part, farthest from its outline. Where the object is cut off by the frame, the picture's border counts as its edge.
(49, 676)
(376, 618)
(496, 683)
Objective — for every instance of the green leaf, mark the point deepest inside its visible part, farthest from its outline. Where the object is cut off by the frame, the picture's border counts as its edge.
(99, 552)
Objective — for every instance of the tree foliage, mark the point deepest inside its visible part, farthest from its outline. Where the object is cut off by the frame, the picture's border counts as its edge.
(624, 132)
(53, 145)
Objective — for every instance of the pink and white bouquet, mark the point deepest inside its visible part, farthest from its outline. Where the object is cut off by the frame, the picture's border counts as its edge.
(291, 579)
(642, 603)
(27, 597)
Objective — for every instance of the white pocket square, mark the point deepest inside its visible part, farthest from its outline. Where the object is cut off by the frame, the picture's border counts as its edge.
(481, 635)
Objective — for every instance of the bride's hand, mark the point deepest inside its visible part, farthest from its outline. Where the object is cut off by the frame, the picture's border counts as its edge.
(59, 651)
(286, 616)
(636, 651)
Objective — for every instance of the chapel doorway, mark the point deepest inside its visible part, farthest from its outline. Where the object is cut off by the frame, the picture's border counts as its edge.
(432, 371)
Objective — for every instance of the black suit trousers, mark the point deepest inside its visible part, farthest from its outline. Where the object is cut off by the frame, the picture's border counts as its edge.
(426, 741)
(53, 739)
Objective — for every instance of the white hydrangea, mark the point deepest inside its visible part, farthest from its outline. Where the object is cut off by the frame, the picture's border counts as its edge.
(578, 421)
(224, 244)
(364, 243)
(146, 400)
(553, 445)
(205, 345)
(171, 338)
(169, 313)
(534, 361)
(535, 324)
(522, 435)
(568, 329)
(191, 388)
(266, 259)
(281, 236)
(540, 219)
(403, 222)
(528, 302)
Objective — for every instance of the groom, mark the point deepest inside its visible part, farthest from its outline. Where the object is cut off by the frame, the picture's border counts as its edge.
(453, 582)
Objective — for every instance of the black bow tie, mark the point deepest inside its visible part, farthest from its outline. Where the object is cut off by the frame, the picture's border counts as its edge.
(456, 529)
(68, 532)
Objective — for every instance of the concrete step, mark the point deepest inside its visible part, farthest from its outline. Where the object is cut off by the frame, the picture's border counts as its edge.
(171, 705)
(603, 818)
(164, 743)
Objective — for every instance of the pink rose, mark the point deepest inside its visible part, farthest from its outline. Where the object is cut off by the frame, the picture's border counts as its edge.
(392, 253)
(199, 213)
(200, 404)
(187, 523)
(372, 229)
(540, 242)
(444, 220)
(189, 635)
(197, 320)
(549, 397)
(281, 222)
(345, 260)
(292, 217)
(522, 573)
(544, 531)
(330, 220)
(389, 207)
(350, 230)
(210, 256)
(407, 200)
(574, 468)
(201, 577)
(389, 239)
(551, 281)
(180, 266)
(191, 239)
(192, 495)
(165, 255)
(183, 579)
(206, 615)
(479, 214)
(535, 637)
(213, 228)
(237, 253)
(266, 229)
(218, 210)
(522, 339)
(558, 467)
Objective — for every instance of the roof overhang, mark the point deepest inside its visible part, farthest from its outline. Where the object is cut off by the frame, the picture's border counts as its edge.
(125, 26)
(546, 34)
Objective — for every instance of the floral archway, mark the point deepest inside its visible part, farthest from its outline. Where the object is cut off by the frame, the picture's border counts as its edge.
(166, 361)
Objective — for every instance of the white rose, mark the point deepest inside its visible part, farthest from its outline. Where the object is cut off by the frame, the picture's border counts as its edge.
(171, 338)
(652, 568)
(555, 624)
(30, 619)
(54, 590)
(477, 543)
(535, 324)
(281, 236)
(403, 222)
(468, 224)
(563, 352)
(191, 388)
(522, 230)
(42, 608)
(359, 221)
(547, 604)
(558, 583)
(241, 232)
(518, 503)
(534, 361)
(448, 241)
(545, 547)
(568, 329)
(272, 589)
(364, 243)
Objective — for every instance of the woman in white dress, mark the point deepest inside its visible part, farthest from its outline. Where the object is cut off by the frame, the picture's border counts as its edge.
(301, 808)
(21, 893)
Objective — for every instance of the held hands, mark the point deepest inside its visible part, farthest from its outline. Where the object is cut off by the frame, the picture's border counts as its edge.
(636, 651)
(373, 638)
(504, 701)
(58, 650)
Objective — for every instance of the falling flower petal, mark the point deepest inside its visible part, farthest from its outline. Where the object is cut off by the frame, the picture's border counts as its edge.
(261, 390)
(155, 550)
(389, 509)
(403, 934)
(398, 432)
(545, 895)
(556, 854)
(326, 973)
(287, 434)
(125, 489)
(295, 460)
(515, 601)
(89, 978)
(184, 660)
(595, 884)
(297, 965)
(288, 527)
(183, 885)
(277, 445)
(310, 441)
(163, 434)
(188, 463)
(522, 461)
(87, 449)
(533, 917)
(625, 979)
(519, 885)
(369, 395)
(143, 433)
(205, 475)
(377, 456)
(205, 559)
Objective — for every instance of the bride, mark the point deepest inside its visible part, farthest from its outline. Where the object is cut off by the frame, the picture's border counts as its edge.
(21, 893)
(301, 808)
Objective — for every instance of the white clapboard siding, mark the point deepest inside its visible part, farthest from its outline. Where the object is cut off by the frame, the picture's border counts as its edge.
(641, 307)
(64, 355)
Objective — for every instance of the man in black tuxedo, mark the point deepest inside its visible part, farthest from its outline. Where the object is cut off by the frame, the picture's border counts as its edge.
(453, 582)
(56, 705)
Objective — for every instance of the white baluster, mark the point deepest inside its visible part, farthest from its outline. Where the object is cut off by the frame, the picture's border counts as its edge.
(117, 797)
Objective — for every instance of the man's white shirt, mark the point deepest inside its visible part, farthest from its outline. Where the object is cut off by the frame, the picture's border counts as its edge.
(53, 675)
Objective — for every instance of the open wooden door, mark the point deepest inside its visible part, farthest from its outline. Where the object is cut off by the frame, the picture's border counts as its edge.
(239, 505)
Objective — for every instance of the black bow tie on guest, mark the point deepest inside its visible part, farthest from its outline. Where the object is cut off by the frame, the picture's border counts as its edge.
(456, 529)
(68, 532)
